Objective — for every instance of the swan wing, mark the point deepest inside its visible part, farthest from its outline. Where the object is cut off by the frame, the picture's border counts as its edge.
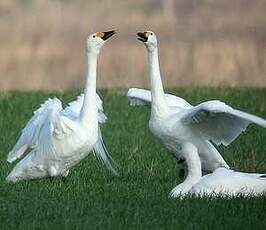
(143, 97)
(228, 182)
(73, 109)
(55, 127)
(38, 130)
(102, 153)
(219, 122)
(138, 97)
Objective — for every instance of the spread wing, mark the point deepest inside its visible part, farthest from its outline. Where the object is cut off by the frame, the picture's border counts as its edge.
(143, 97)
(45, 124)
(219, 122)
(50, 121)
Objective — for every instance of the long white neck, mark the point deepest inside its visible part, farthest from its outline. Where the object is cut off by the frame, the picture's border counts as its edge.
(89, 109)
(190, 153)
(159, 106)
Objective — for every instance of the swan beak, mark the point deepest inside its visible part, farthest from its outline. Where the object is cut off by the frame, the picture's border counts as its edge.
(142, 36)
(105, 35)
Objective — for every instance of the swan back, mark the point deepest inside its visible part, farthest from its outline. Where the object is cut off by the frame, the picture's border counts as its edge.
(230, 183)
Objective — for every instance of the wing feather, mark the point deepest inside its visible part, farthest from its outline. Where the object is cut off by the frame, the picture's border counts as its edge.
(51, 121)
(102, 153)
(143, 97)
(219, 122)
(31, 132)
(74, 107)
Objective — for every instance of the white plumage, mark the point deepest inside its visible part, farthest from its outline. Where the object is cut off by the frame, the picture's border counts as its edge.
(139, 97)
(222, 182)
(60, 138)
(177, 124)
(226, 182)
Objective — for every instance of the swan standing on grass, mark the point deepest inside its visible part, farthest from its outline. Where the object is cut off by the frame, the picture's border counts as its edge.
(178, 124)
(61, 138)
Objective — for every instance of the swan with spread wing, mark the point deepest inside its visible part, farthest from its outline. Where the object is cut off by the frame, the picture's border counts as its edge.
(177, 123)
(60, 138)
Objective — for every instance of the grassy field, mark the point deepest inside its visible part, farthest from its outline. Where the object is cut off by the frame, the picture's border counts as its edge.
(91, 198)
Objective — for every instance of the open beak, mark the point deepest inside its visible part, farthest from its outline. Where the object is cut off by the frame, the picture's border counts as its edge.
(108, 34)
(142, 36)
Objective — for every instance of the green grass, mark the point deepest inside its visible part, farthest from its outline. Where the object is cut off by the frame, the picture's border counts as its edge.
(91, 198)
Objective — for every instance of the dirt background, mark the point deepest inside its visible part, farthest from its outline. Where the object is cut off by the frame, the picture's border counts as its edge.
(202, 42)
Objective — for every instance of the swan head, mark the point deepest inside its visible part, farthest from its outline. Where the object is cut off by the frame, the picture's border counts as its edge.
(96, 41)
(148, 38)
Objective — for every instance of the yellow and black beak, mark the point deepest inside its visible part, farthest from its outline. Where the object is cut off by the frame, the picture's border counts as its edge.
(105, 35)
(142, 36)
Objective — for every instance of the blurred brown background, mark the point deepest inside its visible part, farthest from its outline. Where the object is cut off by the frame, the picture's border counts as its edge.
(202, 42)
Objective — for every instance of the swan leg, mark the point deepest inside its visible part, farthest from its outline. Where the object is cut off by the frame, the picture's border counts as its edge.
(179, 191)
(190, 154)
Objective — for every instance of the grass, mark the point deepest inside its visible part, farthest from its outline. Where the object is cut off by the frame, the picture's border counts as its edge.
(91, 198)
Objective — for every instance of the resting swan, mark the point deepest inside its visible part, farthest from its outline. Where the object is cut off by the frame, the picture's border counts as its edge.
(61, 138)
(222, 182)
(176, 123)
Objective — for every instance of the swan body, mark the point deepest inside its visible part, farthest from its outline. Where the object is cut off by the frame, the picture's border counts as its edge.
(177, 124)
(226, 182)
(222, 182)
(60, 138)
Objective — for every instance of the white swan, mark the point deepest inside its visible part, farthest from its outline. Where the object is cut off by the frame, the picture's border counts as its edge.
(60, 138)
(222, 182)
(176, 123)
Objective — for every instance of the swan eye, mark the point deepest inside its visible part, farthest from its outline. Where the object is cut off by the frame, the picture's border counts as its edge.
(93, 36)
(151, 33)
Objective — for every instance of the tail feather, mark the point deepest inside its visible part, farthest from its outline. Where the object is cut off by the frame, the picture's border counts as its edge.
(102, 153)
